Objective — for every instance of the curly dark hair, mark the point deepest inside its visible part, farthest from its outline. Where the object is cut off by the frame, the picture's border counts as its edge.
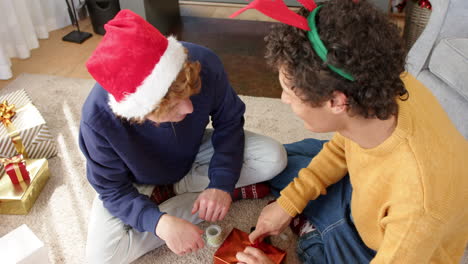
(361, 41)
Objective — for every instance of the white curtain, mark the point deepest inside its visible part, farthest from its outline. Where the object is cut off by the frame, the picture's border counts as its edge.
(22, 23)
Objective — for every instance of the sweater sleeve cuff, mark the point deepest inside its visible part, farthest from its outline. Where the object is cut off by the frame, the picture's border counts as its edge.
(150, 219)
(287, 206)
(222, 179)
(227, 188)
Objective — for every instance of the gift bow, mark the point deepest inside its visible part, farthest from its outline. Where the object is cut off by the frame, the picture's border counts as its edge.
(15, 159)
(7, 112)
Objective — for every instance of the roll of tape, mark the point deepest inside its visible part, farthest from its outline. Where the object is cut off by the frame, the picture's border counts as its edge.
(214, 235)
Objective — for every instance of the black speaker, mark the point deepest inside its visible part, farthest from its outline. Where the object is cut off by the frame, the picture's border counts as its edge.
(100, 12)
(163, 15)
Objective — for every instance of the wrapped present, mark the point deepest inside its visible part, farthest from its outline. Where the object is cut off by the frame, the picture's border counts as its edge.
(237, 241)
(19, 198)
(22, 246)
(23, 125)
(16, 168)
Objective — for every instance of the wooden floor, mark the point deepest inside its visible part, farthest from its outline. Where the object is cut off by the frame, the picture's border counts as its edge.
(57, 57)
(239, 44)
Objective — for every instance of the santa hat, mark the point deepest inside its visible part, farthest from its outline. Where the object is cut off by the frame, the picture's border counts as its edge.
(136, 64)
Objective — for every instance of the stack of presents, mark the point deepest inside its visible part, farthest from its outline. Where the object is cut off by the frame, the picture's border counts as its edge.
(25, 145)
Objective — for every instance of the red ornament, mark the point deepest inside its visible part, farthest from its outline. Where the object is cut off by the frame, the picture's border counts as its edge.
(425, 4)
(401, 6)
(421, 3)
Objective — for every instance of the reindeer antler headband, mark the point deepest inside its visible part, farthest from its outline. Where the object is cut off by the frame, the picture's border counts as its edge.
(278, 10)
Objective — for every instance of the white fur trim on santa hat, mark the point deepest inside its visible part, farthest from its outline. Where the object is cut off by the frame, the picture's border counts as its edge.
(149, 94)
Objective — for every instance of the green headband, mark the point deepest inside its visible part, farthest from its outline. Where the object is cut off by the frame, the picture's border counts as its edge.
(318, 45)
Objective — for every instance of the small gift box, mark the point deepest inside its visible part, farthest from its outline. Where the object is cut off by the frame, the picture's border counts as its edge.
(24, 130)
(237, 241)
(19, 198)
(22, 246)
(16, 168)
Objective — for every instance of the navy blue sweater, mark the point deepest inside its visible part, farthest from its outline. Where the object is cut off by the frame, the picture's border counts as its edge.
(119, 154)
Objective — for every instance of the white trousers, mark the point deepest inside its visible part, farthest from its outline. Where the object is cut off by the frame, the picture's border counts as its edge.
(111, 241)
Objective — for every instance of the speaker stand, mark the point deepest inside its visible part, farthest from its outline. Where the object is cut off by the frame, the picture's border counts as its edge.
(76, 36)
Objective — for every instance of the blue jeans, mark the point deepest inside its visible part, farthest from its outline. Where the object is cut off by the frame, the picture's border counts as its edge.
(335, 239)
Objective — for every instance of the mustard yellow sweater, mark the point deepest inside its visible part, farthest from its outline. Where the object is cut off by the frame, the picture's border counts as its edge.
(410, 194)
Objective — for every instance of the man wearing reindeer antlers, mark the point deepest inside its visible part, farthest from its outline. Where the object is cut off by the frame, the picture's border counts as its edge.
(391, 185)
(157, 169)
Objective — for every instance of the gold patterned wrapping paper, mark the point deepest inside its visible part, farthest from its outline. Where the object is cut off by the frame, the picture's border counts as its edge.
(19, 198)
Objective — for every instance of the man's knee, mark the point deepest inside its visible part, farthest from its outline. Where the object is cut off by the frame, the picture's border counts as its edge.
(278, 157)
(96, 254)
(271, 155)
(101, 250)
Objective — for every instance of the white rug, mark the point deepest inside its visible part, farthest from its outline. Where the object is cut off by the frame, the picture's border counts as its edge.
(60, 215)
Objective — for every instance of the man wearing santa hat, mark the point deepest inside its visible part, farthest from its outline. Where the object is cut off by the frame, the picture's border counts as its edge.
(157, 169)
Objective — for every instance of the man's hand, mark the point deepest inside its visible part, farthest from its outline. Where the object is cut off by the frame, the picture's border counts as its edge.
(252, 255)
(212, 205)
(181, 236)
(272, 221)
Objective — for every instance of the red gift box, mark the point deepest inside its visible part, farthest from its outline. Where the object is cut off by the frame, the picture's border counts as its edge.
(15, 167)
(237, 241)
